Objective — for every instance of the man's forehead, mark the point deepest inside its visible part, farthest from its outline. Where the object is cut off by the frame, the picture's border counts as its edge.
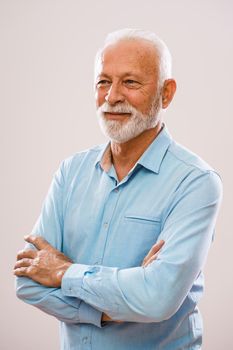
(132, 55)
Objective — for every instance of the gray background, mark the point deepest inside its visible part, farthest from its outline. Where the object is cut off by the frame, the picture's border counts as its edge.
(47, 113)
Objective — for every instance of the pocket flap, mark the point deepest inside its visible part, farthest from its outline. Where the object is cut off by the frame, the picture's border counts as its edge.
(143, 218)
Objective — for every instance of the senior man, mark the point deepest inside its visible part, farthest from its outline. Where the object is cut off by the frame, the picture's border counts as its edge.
(87, 260)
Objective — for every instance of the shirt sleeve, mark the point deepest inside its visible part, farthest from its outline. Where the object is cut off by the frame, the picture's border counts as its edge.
(52, 300)
(156, 292)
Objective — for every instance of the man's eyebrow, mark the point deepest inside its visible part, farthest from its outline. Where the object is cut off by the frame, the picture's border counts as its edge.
(124, 75)
(103, 75)
(131, 74)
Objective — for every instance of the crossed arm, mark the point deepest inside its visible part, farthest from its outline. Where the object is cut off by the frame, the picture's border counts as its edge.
(35, 291)
(142, 294)
(47, 265)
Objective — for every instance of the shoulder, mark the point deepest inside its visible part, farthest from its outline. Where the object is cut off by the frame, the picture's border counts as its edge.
(196, 172)
(184, 156)
(85, 158)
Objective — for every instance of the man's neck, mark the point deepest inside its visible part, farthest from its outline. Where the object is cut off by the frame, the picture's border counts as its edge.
(125, 155)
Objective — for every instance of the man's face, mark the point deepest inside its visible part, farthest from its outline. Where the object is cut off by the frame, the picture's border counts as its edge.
(127, 96)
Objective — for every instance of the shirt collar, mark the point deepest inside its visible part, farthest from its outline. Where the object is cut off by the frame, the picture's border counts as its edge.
(151, 159)
(104, 158)
(153, 156)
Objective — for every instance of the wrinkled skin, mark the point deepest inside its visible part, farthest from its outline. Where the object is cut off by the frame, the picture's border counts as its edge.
(45, 265)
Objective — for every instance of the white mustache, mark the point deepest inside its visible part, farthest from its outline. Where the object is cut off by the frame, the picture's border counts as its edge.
(120, 108)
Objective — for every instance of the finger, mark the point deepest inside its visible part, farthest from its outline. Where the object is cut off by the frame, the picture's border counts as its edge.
(21, 271)
(23, 263)
(152, 258)
(157, 246)
(31, 254)
(38, 241)
(154, 249)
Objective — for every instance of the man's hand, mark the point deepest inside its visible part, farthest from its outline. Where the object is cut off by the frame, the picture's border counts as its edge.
(46, 265)
(151, 256)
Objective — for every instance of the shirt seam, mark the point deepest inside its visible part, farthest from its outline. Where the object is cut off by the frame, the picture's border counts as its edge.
(191, 165)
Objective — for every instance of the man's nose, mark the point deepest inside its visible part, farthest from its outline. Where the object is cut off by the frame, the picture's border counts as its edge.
(114, 95)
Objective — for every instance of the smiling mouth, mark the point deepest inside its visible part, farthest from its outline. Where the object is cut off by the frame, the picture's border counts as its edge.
(116, 115)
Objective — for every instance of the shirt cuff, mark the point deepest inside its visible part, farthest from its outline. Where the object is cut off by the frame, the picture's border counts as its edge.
(88, 314)
(72, 286)
(72, 280)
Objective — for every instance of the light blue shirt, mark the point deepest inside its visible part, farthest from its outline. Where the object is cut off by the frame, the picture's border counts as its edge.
(107, 227)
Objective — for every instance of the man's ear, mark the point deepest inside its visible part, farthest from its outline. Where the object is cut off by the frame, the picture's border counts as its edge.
(168, 91)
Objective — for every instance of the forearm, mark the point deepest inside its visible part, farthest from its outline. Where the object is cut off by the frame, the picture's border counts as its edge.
(122, 294)
(53, 302)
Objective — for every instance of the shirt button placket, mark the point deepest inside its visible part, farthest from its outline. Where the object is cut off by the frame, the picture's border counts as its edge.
(108, 212)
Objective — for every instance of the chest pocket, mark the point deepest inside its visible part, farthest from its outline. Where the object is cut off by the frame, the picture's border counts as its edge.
(141, 231)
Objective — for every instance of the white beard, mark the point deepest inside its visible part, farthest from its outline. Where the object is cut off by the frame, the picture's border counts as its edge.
(123, 131)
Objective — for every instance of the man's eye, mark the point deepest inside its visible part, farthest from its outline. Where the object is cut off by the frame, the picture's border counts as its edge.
(103, 82)
(131, 82)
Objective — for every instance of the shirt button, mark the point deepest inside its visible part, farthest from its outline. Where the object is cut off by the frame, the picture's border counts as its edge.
(105, 225)
(85, 339)
(116, 190)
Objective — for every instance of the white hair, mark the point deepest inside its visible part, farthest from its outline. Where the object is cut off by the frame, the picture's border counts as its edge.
(162, 51)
